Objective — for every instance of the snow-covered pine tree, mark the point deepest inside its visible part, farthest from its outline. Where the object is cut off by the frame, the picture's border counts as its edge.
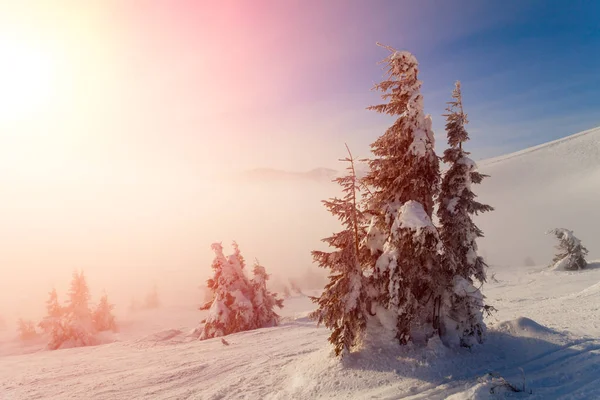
(231, 309)
(461, 319)
(404, 176)
(78, 323)
(103, 317)
(342, 306)
(264, 301)
(571, 253)
(52, 324)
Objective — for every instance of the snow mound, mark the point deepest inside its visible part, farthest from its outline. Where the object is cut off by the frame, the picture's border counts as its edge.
(489, 387)
(165, 335)
(524, 327)
(162, 338)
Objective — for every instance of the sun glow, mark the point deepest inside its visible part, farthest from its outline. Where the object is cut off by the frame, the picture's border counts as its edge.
(27, 78)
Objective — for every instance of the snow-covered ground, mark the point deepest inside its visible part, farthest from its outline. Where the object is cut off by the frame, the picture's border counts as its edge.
(547, 330)
(545, 336)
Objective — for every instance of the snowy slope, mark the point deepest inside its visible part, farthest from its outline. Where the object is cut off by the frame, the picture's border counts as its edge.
(554, 185)
(294, 361)
(546, 333)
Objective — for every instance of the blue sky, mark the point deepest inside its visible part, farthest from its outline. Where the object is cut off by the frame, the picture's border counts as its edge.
(183, 86)
(529, 69)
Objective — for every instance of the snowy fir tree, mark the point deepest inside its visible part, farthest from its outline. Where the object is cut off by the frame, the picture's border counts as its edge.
(103, 317)
(571, 253)
(264, 301)
(342, 307)
(26, 330)
(231, 310)
(404, 177)
(52, 324)
(78, 323)
(461, 321)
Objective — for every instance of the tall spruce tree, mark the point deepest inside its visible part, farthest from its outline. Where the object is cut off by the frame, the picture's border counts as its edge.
(342, 305)
(404, 176)
(462, 306)
(78, 323)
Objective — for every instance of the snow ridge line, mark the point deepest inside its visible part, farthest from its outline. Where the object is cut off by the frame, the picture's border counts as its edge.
(495, 160)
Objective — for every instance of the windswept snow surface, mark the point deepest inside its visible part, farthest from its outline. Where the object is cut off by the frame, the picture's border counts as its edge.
(549, 330)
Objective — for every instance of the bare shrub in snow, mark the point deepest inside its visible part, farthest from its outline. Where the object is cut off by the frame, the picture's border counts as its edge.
(403, 180)
(571, 253)
(342, 305)
(26, 330)
(461, 317)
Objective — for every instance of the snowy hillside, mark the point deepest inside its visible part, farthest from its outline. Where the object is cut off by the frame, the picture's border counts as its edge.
(548, 331)
(546, 334)
(554, 185)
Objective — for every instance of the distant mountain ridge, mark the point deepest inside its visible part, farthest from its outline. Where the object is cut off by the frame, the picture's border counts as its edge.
(317, 174)
(271, 174)
(582, 147)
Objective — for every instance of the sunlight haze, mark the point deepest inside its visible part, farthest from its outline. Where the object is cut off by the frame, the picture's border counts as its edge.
(135, 134)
